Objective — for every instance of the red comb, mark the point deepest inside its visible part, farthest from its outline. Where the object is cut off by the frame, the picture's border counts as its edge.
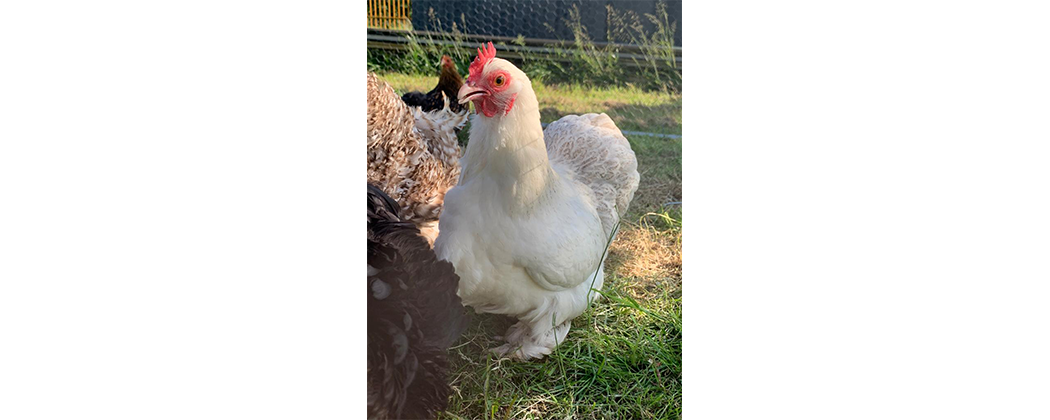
(485, 54)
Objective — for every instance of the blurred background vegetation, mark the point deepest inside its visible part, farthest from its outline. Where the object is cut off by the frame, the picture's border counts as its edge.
(638, 49)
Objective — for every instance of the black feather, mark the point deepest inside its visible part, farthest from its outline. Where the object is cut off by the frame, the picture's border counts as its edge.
(449, 82)
(414, 315)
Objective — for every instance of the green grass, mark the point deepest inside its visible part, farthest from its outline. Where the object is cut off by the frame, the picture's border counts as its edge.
(623, 357)
(621, 360)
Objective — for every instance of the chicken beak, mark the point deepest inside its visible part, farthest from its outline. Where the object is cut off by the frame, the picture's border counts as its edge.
(468, 92)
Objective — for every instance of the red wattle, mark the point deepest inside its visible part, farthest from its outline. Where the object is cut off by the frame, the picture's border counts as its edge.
(488, 107)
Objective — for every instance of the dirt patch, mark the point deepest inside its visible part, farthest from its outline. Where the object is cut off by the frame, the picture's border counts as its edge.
(650, 260)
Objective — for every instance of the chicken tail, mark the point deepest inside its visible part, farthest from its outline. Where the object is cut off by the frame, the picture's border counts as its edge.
(600, 157)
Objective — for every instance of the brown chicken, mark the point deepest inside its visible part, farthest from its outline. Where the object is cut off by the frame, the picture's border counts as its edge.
(449, 82)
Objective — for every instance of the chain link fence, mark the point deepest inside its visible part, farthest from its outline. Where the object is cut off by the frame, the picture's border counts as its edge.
(597, 43)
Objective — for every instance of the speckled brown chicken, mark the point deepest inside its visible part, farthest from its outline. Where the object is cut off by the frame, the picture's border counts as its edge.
(413, 156)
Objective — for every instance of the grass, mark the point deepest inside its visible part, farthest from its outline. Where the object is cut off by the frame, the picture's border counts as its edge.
(623, 357)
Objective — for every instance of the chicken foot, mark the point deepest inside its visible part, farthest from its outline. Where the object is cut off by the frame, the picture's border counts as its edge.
(525, 341)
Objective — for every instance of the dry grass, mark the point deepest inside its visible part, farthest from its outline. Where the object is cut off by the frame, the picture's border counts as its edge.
(650, 260)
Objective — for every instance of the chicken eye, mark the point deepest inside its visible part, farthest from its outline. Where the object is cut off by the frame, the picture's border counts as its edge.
(499, 80)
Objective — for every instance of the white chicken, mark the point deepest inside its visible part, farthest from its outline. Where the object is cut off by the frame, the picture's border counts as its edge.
(527, 226)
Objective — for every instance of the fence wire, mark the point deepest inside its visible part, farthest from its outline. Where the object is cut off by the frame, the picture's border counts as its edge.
(541, 19)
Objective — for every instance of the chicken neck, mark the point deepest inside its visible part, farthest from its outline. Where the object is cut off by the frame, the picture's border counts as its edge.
(508, 151)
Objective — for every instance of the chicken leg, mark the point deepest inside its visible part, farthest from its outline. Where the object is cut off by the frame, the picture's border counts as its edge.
(525, 341)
